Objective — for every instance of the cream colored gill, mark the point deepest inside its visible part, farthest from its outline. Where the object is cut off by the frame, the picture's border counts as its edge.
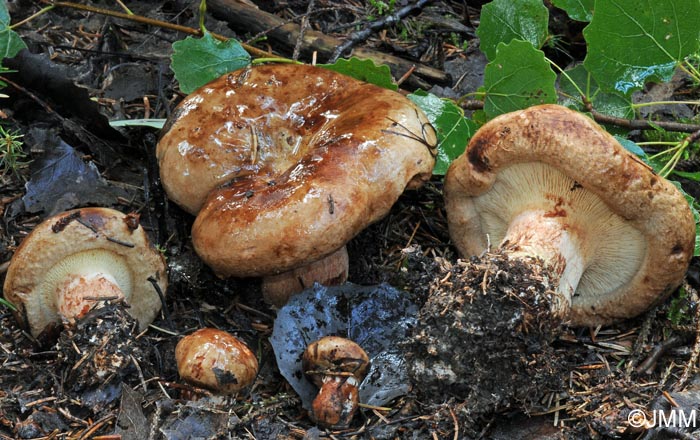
(87, 263)
(611, 249)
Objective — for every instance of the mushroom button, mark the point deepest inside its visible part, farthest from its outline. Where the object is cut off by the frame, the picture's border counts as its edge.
(216, 360)
(550, 183)
(284, 164)
(72, 260)
(337, 366)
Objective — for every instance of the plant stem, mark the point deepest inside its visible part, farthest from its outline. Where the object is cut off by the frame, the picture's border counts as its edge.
(566, 75)
(691, 70)
(32, 17)
(275, 60)
(657, 143)
(202, 14)
(652, 103)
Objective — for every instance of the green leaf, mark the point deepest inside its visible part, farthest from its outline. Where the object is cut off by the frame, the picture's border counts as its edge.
(453, 129)
(10, 41)
(8, 304)
(519, 77)
(610, 103)
(631, 42)
(678, 309)
(505, 20)
(688, 175)
(364, 70)
(4, 15)
(196, 61)
(152, 123)
(632, 148)
(579, 10)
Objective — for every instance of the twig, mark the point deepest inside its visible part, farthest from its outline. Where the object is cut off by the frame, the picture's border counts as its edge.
(294, 19)
(304, 25)
(161, 296)
(375, 26)
(254, 51)
(695, 354)
(35, 98)
(642, 124)
(631, 124)
(638, 346)
(657, 352)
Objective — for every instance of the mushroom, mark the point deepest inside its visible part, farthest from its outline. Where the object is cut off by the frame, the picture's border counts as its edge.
(284, 164)
(337, 366)
(548, 182)
(71, 261)
(216, 360)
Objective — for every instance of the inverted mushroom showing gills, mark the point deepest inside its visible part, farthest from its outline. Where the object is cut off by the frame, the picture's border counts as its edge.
(71, 261)
(557, 224)
(284, 164)
(550, 183)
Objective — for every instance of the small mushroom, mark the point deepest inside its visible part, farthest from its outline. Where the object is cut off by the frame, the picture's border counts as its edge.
(337, 366)
(284, 164)
(71, 261)
(548, 182)
(216, 360)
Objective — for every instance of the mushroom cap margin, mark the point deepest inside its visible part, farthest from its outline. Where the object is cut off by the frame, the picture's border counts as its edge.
(216, 360)
(577, 146)
(98, 228)
(361, 162)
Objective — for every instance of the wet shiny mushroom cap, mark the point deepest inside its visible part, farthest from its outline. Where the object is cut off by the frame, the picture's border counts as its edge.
(74, 258)
(333, 355)
(216, 360)
(286, 163)
(624, 235)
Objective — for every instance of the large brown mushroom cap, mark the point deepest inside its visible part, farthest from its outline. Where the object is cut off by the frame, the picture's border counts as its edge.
(309, 157)
(634, 229)
(81, 242)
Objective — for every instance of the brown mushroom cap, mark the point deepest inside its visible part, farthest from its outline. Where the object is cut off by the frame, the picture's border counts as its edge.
(308, 157)
(93, 247)
(216, 360)
(633, 230)
(334, 354)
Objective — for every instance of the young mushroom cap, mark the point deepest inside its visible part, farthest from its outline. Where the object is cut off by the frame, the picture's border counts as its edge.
(334, 354)
(216, 360)
(286, 163)
(337, 366)
(75, 258)
(553, 184)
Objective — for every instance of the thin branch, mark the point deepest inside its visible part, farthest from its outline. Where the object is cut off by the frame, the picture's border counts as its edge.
(254, 51)
(303, 26)
(642, 124)
(375, 26)
(630, 124)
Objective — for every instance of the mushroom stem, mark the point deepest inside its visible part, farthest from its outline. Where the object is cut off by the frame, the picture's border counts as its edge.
(329, 271)
(75, 297)
(540, 234)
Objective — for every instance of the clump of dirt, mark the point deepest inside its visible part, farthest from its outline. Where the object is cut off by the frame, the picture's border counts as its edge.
(99, 348)
(82, 373)
(485, 336)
